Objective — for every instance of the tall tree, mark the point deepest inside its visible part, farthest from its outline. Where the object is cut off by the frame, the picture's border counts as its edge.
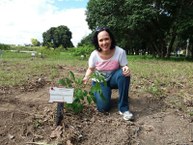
(57, 36)
(142, 25)
(127, 19)
(180, 14)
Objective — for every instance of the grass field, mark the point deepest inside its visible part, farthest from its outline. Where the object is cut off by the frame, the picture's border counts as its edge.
(161, 78)
(17, 68)
(160, 96)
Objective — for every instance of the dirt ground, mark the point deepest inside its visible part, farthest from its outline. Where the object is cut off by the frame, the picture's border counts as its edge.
(28, 119)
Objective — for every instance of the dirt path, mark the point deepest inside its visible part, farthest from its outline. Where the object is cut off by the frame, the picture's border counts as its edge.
(28, 118)
(159, 125)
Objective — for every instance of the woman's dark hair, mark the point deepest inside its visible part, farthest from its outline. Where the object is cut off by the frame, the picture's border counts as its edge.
(95, 37)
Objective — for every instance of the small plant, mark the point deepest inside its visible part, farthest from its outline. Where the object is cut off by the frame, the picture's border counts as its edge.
(81, 94)
(155, 90)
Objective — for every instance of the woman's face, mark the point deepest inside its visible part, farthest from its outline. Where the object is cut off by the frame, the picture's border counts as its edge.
(104, 41)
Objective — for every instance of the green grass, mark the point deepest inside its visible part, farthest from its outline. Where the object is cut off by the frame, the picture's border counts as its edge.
(18, 68)
(171, 80)
(157, 78)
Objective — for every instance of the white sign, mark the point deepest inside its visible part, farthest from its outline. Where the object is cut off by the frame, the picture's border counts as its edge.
(61, 95)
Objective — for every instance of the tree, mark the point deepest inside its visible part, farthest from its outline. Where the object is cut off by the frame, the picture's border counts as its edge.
(127, 18)
(106, 13)
(35, 42)
(57, 36)
(4, 46)
(180, 15)
(140, 25)
(185, 24)
(86, 40)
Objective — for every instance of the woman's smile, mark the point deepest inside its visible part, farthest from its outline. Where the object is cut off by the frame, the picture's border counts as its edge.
(104, 41)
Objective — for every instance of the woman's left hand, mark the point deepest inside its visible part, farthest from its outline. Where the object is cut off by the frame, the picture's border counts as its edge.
(126, 71)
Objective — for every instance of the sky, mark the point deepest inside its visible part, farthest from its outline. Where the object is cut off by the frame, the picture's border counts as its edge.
(22, 20)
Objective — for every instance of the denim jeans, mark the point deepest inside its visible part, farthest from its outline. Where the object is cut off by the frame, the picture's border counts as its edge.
(117, 81)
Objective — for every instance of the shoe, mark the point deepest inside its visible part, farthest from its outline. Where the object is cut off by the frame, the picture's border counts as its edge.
(126, 115)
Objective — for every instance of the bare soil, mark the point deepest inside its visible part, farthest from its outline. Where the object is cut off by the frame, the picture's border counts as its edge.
(26, 118)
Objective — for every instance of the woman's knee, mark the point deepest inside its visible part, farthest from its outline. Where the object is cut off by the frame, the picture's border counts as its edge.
(121, 76)
(103, 104)
(103, 108)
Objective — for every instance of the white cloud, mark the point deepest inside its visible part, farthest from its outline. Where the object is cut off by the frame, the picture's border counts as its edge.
(22, 20)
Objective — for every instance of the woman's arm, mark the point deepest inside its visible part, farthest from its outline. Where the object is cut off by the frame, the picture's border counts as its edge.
(87, 75)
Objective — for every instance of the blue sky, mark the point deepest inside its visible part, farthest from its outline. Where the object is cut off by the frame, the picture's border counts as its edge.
(66, 4)
(26, 19)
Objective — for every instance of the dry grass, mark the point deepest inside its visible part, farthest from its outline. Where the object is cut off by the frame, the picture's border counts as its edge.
(171, 80)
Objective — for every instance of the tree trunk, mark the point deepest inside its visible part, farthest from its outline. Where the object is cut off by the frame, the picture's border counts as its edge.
(192, 51)
(169, 49)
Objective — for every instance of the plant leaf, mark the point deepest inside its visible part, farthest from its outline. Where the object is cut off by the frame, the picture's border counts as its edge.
(71, 74)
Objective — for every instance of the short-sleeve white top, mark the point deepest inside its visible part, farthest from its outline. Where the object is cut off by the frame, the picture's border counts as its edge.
(106, 67)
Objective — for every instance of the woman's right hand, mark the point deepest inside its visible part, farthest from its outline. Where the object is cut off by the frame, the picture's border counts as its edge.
(85, 80)
(87, 75)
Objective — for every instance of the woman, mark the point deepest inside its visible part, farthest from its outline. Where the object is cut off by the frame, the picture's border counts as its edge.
(111, 61)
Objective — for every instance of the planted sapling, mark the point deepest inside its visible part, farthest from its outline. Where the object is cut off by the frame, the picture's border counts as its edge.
(81, 94)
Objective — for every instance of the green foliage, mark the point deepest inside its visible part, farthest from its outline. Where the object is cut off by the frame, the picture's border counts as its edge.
(48, 52)
(17, 55)
(35, 42)
(20, 48)
(4, 46)
(81, 94)
(151, 77)
(154, 90)
(57, 36)
(83, 50)
(127, 19)
(147, 26)
(86, 40)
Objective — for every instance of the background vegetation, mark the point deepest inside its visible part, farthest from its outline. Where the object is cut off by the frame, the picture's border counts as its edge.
(156, 27)
(157, 36)
(161, 28)
(164, 79)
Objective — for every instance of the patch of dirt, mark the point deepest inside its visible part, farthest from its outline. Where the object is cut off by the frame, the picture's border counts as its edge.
(28, 119)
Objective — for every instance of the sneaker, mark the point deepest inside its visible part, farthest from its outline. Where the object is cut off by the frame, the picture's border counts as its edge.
(126, 115)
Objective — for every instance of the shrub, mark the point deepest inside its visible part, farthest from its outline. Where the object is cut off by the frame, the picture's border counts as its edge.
(83, 50)
(48, 52)
(4, 47)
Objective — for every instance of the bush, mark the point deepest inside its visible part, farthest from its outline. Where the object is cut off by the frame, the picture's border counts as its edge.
(48, 52)
(83, 50)
(4, 47)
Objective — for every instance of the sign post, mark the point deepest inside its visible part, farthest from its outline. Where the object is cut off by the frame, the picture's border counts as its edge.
(61, 96)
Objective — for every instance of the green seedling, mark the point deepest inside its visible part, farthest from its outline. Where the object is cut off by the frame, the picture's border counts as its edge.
(81, 94)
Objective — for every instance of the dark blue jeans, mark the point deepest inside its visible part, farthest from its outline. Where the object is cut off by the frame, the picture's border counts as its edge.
(117, 81)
